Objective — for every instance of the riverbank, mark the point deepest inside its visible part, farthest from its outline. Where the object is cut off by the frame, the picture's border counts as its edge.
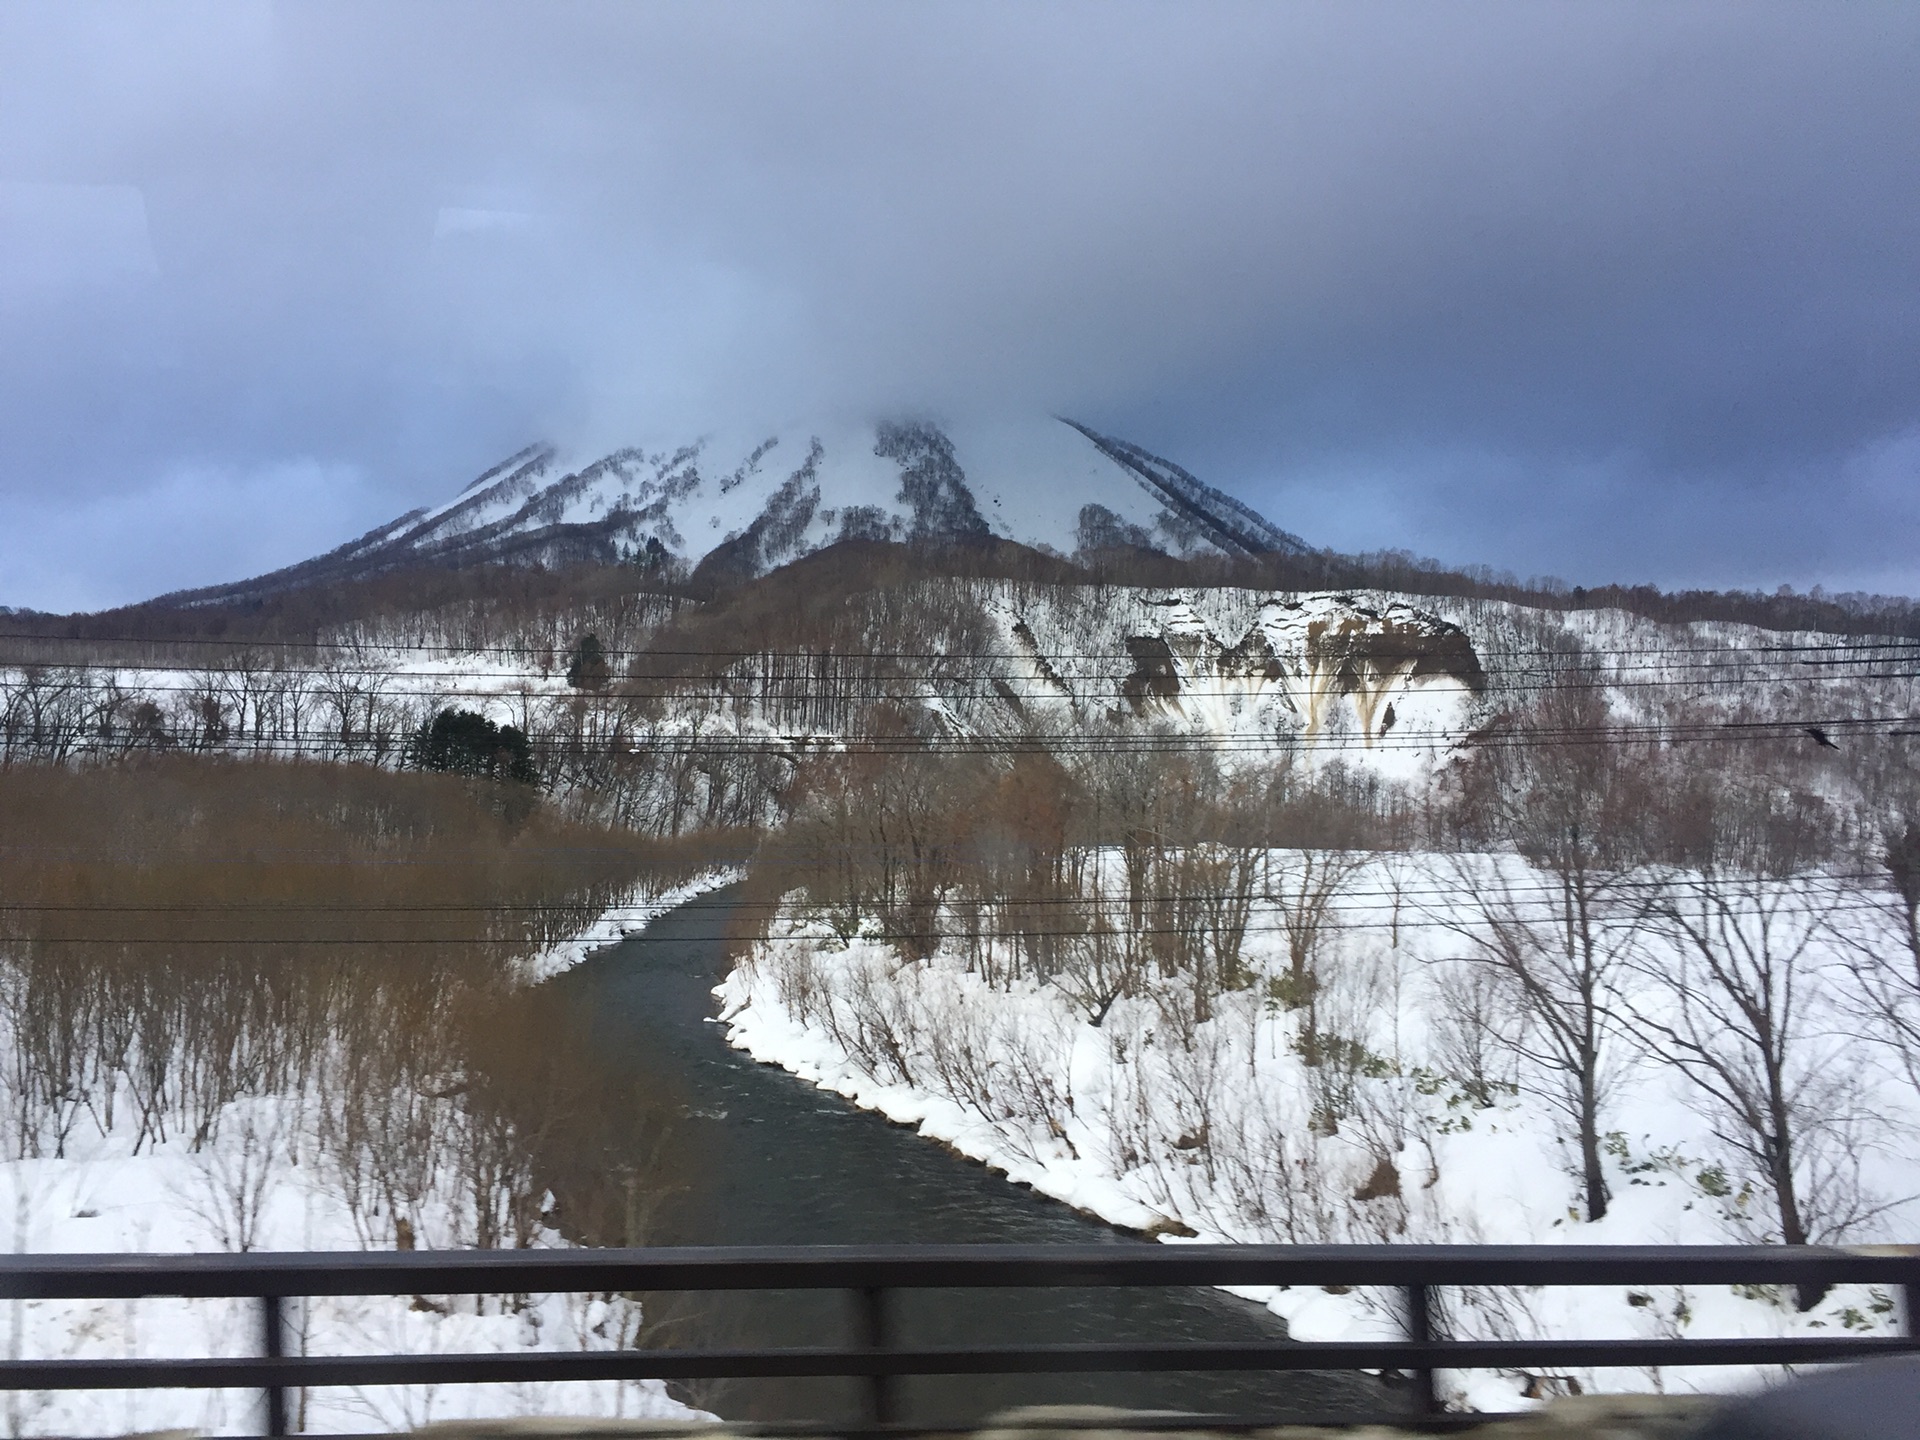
(621, 922)
(1233, 1127)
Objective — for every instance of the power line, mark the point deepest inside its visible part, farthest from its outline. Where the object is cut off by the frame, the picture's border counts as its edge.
(887, 935)
(1380, 897)
(1339, 899)
(793, 745)
(784, 691)
(1648, 657)
(1876, 644)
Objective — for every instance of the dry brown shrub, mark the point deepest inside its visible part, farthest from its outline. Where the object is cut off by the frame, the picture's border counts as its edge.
(179, 933)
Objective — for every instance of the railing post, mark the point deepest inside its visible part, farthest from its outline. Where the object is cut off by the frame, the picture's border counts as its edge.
(273, 1344)
(1420, 1332)
(871, 1304)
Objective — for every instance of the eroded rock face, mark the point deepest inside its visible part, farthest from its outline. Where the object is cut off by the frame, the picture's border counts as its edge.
(1325, 666)
(1155, 679)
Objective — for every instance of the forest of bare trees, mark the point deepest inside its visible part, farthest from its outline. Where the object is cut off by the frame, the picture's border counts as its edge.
(320, 959)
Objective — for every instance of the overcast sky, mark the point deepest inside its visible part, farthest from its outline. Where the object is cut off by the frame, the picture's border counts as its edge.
(1623, 291)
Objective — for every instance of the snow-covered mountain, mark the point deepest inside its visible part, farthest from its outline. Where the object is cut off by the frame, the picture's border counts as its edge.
(745, 503)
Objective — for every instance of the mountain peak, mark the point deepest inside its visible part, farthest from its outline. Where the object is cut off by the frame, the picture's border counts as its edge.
(746, 503)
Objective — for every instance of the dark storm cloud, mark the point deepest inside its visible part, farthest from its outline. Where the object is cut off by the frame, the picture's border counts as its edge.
(1613, 291)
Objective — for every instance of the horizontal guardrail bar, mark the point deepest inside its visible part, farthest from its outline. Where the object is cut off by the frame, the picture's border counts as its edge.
(869, 1273)
(492, 1272)
(814, 1362)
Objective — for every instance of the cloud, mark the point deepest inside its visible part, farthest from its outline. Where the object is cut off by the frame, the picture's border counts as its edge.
(1610, 520)
(193, 522)
(454, 221)
(57, 237)
(1510, 263)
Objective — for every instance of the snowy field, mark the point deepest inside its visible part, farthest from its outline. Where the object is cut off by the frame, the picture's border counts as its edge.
(1364, 1115)
(102, 1198)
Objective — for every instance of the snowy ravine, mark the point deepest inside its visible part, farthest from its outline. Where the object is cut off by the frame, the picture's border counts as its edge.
(262, 1183)
(1216, 1128)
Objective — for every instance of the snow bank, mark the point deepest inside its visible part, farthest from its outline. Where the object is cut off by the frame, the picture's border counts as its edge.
(1218, 1127)
(621, 922)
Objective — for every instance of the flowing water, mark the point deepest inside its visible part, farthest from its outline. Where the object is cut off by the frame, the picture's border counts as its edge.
(757, 1157)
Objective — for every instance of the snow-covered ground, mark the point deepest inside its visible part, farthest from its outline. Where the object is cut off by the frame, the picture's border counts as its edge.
(266, 1182)
(102, 1198)
(1219, 1127)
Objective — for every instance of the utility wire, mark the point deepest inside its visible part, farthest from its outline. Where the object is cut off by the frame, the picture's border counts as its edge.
(1794, 729)
(1377, 897)
(778, 690)
(560, 653)
(1650, 657)
(363, 941)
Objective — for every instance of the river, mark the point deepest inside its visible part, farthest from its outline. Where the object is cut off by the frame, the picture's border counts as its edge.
(733, 1152)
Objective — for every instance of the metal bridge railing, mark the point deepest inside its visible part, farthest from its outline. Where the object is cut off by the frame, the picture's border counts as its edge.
(870, 1272)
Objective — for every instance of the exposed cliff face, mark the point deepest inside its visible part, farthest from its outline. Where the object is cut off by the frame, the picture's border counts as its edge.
(1332, 673)
(1348, 652)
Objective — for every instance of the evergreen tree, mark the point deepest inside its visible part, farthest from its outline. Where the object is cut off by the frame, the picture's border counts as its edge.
(587, 664)
(466, 743)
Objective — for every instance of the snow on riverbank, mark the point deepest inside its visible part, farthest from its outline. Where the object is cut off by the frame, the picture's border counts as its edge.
(621, 922)
(266, 1181)
(1217, 1126)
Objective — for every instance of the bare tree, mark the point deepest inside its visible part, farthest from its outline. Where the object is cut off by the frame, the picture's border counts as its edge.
(1882, 946)
(1337, 1041)
(1733, 1010)
(1303, 894)
(1575, 809)
(1102, 965)
(235, 1175)
(1477, 1022)
(1558, 943)
(44, 712)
